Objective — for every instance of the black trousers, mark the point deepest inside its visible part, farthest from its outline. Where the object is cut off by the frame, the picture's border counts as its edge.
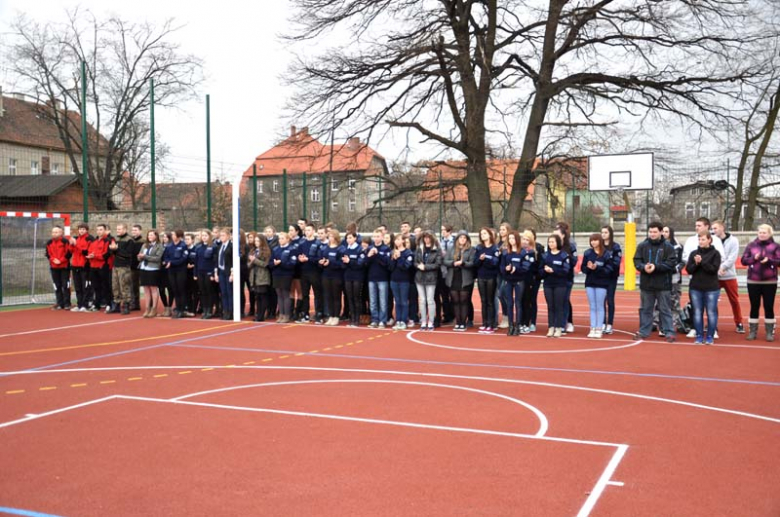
(758, 293)
(135, 293)
(487, 294)
(311, 281)
(354, 290)
(460, 305)
(166, 296)
(178, 280)
(331, 288)
(82, 286)
(101, 283)
(261, 294)
(206, 288)
(272, 302)
(61, 279)
(193, 293)
(443, 298)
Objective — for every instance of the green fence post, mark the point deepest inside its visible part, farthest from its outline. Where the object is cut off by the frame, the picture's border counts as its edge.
(1, 263)
(254, 194)
(304, 197)
(208, 163)
(151, 124)
(84, 151)
(284, 199)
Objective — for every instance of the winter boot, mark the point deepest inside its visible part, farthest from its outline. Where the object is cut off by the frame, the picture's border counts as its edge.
(753, 330)
(770, 330)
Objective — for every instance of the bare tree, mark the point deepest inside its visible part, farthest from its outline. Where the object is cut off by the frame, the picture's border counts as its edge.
(138, 163)
(121, 58)
(448, 69)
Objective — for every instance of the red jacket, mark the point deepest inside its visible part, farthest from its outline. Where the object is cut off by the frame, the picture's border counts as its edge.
(78, 251)
(99, 248)
(58, 249)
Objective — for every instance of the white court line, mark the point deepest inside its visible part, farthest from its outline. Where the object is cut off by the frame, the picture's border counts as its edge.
(31, 416)
(52, 329)
(420, 374)
(595, 493)
(410, 337)
(543, 423)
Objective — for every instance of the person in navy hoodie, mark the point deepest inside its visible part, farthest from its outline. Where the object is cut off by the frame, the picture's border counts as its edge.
(58, 252)
(378, 260)
(569, 247)
(204, 273)
(608, 234)
(514, 280)
(330, 260)
(311, 276)
(597, 264)
(401, 274)
(283, 262)
(555, 267)
(353, 258)
(295, 235)
(176, 264)
(487, 262)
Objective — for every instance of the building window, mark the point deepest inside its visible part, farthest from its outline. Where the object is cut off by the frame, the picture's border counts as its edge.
(334, 205)
(334, 185)
(34, 168)
(352, 205)
(689, 208)
(315, 195)
(259, 187)
(351, 184)
(12, 166)
(704, 210)
(315, 215)
(275, 186)
(55, 168)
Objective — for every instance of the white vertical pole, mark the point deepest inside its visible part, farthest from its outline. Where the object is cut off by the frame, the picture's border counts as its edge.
(236, 248)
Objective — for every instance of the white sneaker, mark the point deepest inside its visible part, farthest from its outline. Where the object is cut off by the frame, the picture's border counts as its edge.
(592, 333)
(598, 333)
(391, 322)
(74, 309)
(691, 334)
(504, 322)
(532, 328)
(608, 329)
(569, 328)
(715, 336)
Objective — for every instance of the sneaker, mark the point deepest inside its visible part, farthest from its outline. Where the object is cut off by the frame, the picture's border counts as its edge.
(569, 328)
(525, 330)
(532, 328)
(709, 341)
(550, 331)
(661, 333)
(75, 309)
(410, 324)
(381, 326)
(691, 334)
(639, 336)
(671, 339)
(352, 326)
(482, 328)
(608, 329)
(558, 332)
(592, 333)
(390, 322)
(83, 309)
(740, 328)
(598, 334)
(504, 322)
(92, 308)
(698, 341)
(373, 325)
(402, 325)
(715, 336)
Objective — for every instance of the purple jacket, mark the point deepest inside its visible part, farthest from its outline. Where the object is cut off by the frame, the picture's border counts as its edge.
(758, 272)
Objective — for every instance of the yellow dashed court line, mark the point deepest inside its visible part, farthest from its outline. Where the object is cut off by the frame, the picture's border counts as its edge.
(300, 354)
(79, 385)
(160, 375)
(47, 388)
(338, 346)
(107, 382)
(283, 356)
(313, 351)
(326, 349)
(358, 341)
(249, 362)
(206, 369)
(109, 343)
(135, 378)
(14, 392)
(184, 372)
(267, 359)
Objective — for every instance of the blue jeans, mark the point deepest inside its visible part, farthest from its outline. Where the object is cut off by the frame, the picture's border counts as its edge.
(226, 290)
(701, 301)
(513, 294)
(596, 298)
(401, 300)
(377, 297)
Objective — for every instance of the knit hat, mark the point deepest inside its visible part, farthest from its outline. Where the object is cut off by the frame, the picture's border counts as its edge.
(463, 232)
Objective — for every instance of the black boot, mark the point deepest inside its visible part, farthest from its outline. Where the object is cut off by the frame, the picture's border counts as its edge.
(125, 308)
(510, 330)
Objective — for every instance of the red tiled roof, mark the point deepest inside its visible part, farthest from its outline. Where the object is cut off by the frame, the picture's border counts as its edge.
(304, 153)
(25, 123)
(500, 178)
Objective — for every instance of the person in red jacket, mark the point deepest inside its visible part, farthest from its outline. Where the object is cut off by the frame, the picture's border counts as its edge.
(80, 267)
(58, 253)
(98, 254)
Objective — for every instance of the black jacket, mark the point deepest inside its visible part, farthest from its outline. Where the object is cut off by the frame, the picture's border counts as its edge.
(125, 252)
(228, 257)
(704, 276)
(662, 254)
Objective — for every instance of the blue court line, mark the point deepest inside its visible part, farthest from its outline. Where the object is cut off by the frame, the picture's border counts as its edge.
(26, 513)
(113, 354)
(499, 366)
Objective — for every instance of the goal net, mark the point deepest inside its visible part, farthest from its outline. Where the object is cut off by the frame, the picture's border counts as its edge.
(24, 269)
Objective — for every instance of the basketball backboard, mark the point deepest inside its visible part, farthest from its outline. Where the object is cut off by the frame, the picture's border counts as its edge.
(613, 172)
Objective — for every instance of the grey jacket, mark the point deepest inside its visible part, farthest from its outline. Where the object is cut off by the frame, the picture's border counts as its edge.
(731, 254)
(430, 275)
(467, 268)
(153, 253)
(259, 274)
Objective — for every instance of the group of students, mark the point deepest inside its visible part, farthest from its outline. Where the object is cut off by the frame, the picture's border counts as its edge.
(412, 278)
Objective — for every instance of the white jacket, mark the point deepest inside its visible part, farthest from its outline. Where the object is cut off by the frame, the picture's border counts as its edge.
(729, 261)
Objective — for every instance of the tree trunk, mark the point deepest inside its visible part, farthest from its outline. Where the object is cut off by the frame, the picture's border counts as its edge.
(769, 128)
(479, 192)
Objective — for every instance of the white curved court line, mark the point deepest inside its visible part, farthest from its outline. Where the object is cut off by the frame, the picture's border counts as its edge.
(543, 423)
(52, 329)
(410, 337)
(419, 374)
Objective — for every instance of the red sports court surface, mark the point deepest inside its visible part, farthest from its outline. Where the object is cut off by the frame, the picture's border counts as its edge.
(110, 415)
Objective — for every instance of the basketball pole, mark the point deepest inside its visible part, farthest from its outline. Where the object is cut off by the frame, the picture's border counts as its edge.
(629, 275)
